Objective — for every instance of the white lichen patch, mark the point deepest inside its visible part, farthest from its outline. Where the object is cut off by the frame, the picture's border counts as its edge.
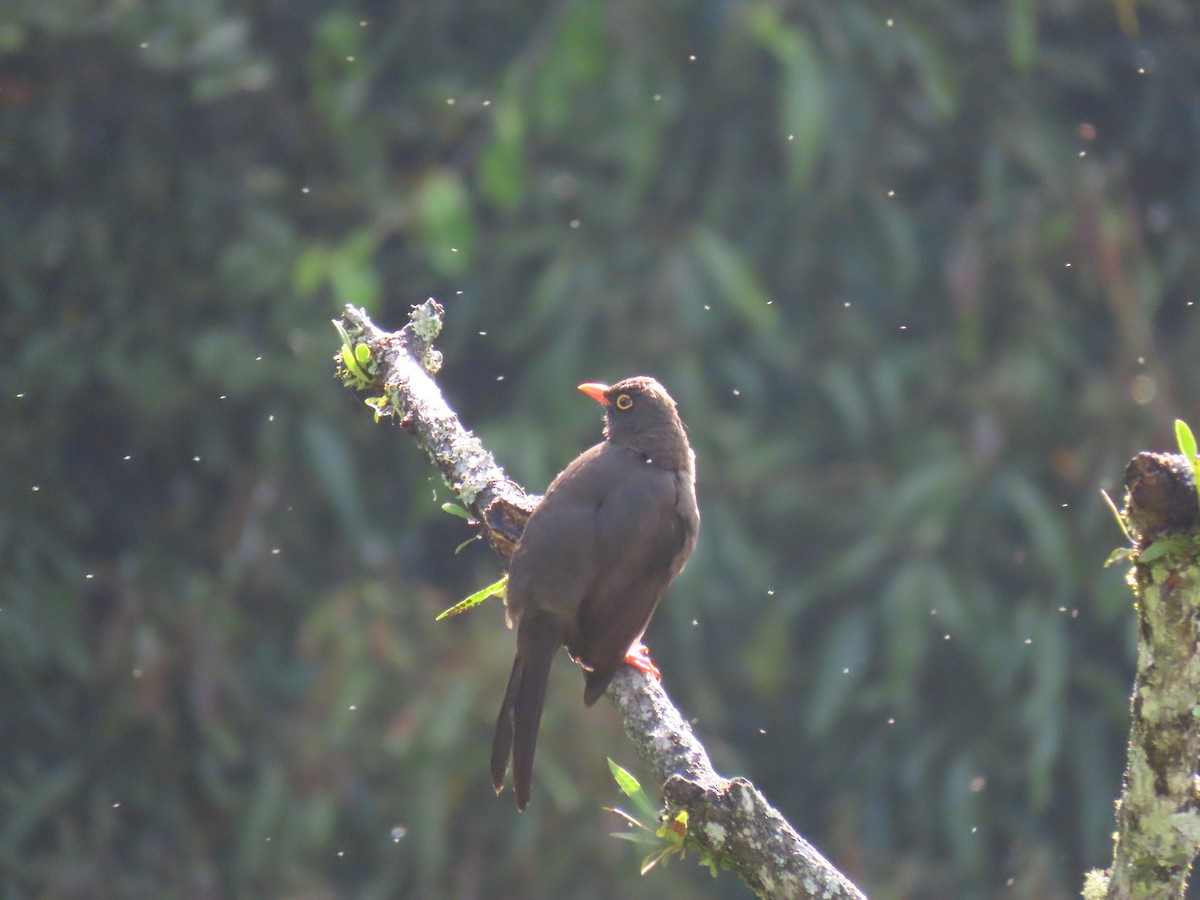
(715, 834)
(426, 322)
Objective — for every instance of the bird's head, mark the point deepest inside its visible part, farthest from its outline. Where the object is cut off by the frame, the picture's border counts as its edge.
(640, 414)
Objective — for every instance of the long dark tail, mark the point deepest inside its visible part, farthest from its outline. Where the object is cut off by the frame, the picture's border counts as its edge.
(520, 716)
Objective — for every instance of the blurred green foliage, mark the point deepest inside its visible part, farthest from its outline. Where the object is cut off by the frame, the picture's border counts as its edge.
(920, 275)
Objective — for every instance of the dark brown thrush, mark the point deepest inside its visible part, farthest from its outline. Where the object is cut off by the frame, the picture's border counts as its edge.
(596, 557)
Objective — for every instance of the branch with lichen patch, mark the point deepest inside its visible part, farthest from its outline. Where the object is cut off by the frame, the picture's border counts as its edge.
(1158, 815)
(729, 821)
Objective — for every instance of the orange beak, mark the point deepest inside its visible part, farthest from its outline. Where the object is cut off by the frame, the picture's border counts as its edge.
(596, 391)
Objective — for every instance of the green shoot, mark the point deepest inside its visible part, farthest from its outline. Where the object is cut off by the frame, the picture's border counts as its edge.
(1117, 515)
(666, 838)
(475, 599)
(1187, 446)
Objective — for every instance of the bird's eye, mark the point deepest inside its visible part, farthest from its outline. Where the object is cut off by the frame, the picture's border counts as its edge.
(624, 401)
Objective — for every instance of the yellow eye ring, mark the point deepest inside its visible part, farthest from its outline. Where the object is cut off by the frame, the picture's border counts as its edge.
(624, 401)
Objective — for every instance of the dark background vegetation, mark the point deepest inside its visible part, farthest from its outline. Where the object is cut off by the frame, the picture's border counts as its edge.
(921, 276)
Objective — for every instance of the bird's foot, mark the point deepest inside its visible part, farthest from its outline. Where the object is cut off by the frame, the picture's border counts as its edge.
(639, 658)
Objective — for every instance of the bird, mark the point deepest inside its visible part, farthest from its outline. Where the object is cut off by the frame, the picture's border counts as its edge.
(613, 530)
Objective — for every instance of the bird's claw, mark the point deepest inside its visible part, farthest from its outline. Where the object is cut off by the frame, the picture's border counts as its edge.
(639, 658)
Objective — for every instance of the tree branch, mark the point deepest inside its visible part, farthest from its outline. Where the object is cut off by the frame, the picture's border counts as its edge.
(1158, 815)
(727, 818)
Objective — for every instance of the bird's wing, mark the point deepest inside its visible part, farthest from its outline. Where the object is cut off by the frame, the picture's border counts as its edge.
(555, 560)
(645, 530)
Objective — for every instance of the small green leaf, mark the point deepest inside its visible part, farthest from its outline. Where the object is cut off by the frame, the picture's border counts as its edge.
(1117, 515)
(1175, 543)
(475, 599)
(634, 791)
(352, 369)
(379, 405)
(637, 837)
(472, 539)
(363, 354)
(342, 331)
(1120, 555)
(1187, 440)
(625, 781)
(455, 510)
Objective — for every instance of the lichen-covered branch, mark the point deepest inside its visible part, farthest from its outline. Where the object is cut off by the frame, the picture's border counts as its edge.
(1158, 815)
(401, 365)
(728, 819)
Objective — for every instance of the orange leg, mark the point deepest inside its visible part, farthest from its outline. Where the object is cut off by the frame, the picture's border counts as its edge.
(639, 658)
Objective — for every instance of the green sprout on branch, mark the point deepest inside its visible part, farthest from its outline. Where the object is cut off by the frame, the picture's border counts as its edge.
(492, 590)
(1187, 446)
(665, 834)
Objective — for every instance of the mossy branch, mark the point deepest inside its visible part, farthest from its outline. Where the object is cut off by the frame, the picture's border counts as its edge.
(728, 819)
(1158, 815)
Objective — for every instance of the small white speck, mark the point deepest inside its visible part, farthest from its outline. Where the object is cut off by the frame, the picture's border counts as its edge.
(275, 551)
(891, 193)
(695, 623)
(1065, 505)
(223, 397)
(349, 59)
(891, 23)
(846, 305)
(1066, 265)
(657, 97)
(483, 334)
(762, 731)
(945, 637)
(791, 137)
(341, 853)
(736, 392)
(458, 293)
(398, 832)
(1028, 642)
(487, 102)
(1141, 360)
(89, 576)
(353, 707)
(891, 720)
(691, 57)
(846, 671)
(36, 488)
(362, 23)
(707, 308)
(305, 190)
(137, 673)
(195, 459)
(144, 44)
(974, 828)
(127, 457)
(271, 417)
(453, 249)
(116, 806)
(574, 223)
(450, 101)
(1082, 154)
(258, 359)
(771, 592)
(904, 328)
(1141, 70)
(499, 377)
(21, 395)
(933, 611)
